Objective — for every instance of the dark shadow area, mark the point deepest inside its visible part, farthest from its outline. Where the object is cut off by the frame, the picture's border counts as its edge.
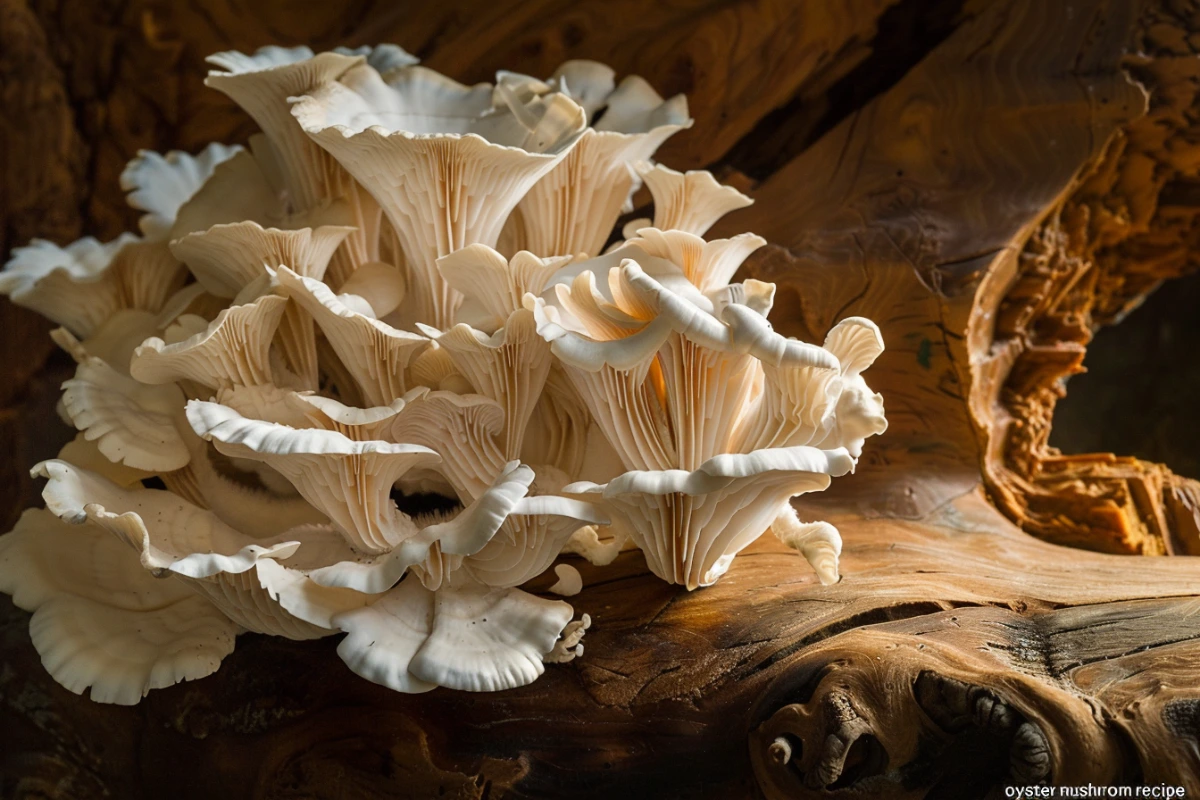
(1141, 393)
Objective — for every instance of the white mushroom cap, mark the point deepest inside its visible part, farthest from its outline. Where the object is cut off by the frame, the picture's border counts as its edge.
(261, 84)
(472, 639)
(574, 207)
(82, 285)
(132, 423)
(408, 137)
(533, 536)
(690, 201)
(349, 481)
(101, 620)
(383, 58)
(375, 354)
(509, 367)
(160, 184)
(234, 349)
(226, 258)
(690, 525)
(495, 285)
(243, 188)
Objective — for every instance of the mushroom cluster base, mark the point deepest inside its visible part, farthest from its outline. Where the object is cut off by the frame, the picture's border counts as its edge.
(990, 181)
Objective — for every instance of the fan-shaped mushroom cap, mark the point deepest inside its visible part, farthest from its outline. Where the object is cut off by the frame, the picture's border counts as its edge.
(807, 405)
(228, 257)
(532, 537)
(234, 349)
(82, 285)
(255, 511)
(708, 265)
(509, 367)
(100, 619)
(375, 354)
(178, 539)
(261, 84)
(473, 639)
(496, 286)
(690, 525)
(132, 423)
(666, 381)
(574, 207)
(160, 184)
(446, 168)
(84, 453)
(349, 481)
(687, 201)
(186, 540)
(242, 188)
(462, 535)
(382, 638)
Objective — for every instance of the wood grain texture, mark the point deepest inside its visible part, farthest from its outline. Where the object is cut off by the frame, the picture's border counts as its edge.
(1129, 224)
(1012, 175)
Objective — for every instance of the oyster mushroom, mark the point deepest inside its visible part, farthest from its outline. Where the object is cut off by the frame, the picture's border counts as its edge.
(445, 166)
(574, 207)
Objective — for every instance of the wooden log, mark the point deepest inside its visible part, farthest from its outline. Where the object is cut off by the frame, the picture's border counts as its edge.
(989, 206)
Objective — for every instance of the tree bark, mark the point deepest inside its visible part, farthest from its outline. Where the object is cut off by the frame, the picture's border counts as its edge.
(989, 180)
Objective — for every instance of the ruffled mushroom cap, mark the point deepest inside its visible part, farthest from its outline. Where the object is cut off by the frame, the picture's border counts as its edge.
(263, 84)
(445, 166)
(690, 525)
(534, 529)
(349, 481)
(465, 430)
(574, 207)
(473, 639)
(160, 184)
(806, 405)
(534, 534)
(374, 353)
(102, 620)
(234, 349)
(227, 258)
(132, 423)
(689, 201)
(666, 381)
(174, 539)
(82, 285)
(509, 367)
(493, 286)
(243, 188)
(709, 266)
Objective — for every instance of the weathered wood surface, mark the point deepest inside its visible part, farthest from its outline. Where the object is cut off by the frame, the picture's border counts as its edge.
(988, 180)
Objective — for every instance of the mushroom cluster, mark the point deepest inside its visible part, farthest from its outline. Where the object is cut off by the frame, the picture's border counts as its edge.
(374, 372)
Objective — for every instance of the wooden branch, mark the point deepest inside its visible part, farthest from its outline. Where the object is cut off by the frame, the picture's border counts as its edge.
(1023, 182)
